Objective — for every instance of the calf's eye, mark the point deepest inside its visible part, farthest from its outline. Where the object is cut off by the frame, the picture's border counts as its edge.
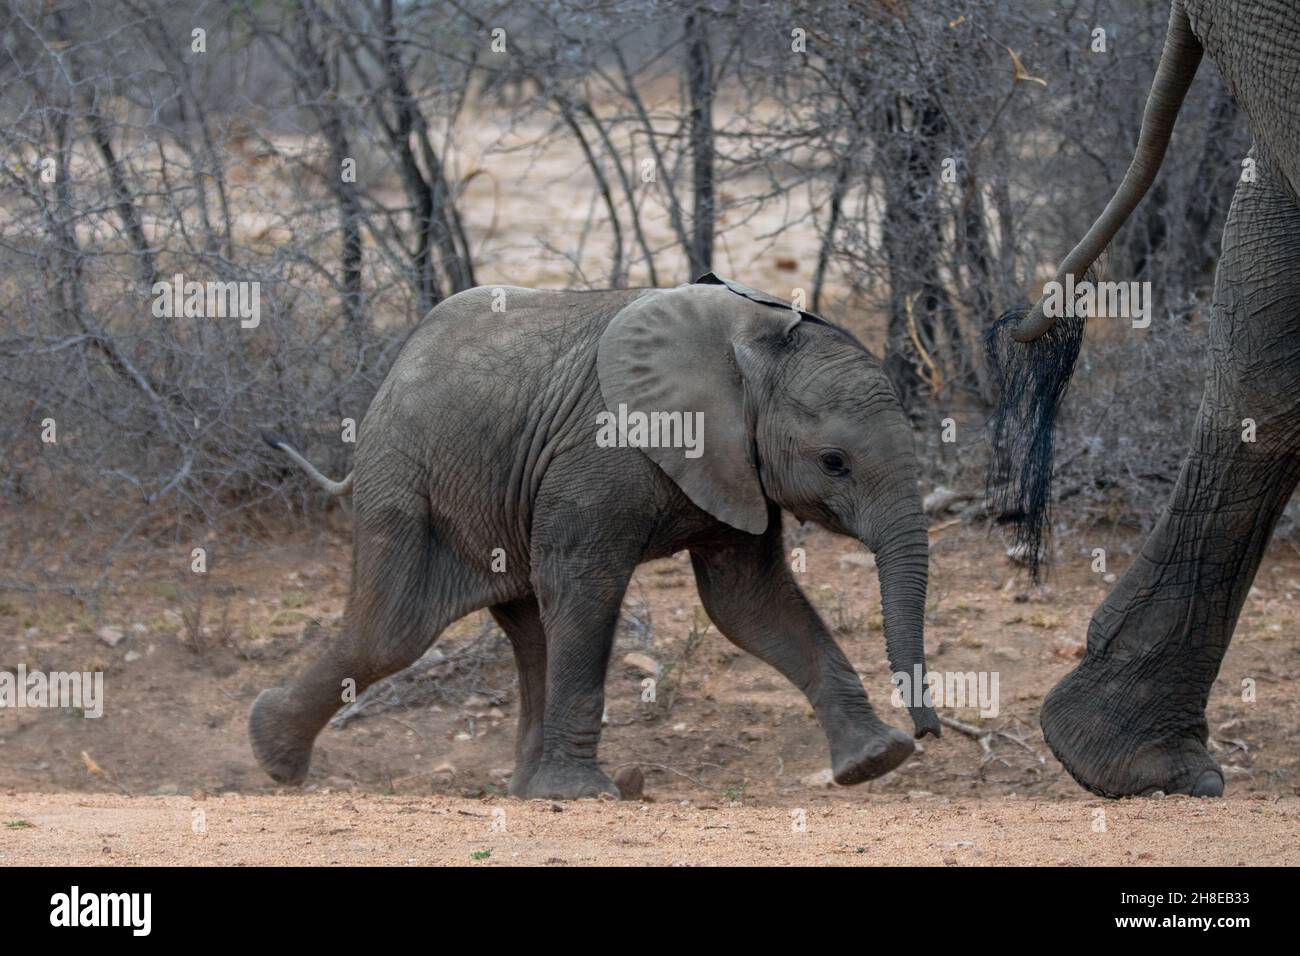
(833, 463)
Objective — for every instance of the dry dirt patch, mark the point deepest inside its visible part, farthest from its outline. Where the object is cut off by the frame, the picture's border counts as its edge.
(351, 829)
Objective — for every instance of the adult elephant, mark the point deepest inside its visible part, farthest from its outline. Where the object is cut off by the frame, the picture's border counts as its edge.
(1130, 719)
(504, 464)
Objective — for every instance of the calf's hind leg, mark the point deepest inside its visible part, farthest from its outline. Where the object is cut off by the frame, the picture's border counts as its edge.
(402, 598)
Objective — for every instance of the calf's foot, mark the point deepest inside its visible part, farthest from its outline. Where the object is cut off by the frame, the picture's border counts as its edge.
(870, 751)
(568, 780)
(280, 747)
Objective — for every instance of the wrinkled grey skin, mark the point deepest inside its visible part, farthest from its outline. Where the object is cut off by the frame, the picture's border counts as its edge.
(1130, 719)
(483, 436)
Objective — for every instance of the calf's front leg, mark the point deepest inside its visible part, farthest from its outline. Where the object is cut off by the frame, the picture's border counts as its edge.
(580, 574)
(752, 597)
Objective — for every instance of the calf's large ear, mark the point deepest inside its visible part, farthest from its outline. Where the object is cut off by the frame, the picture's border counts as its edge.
(685, 350)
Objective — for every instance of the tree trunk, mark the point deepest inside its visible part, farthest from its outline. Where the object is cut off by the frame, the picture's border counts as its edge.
(699, 81)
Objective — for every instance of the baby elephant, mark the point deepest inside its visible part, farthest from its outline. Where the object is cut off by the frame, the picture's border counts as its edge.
(529, 449)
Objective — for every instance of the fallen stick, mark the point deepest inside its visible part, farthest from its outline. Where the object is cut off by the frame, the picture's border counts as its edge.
(981, 737)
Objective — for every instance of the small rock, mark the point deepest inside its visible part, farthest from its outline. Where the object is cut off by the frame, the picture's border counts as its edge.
(500, 775)
(133, 656)
(642, 662)
(444, 769)
(138, 628)
(820, 779)
(855, 559)
(630, 782)
(112, 636)
(918, 794)
(1109, 577)
(1071, 649)
(1010, 653)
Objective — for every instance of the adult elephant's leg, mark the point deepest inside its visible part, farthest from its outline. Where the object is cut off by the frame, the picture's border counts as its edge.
(585, 547)
(522, 622)
(1130, 719)
(752, 597)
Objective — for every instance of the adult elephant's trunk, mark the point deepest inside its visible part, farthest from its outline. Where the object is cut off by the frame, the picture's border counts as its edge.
(1178, 63)
(902, 548)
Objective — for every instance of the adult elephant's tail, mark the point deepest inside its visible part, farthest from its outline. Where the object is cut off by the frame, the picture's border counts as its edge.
(335, 488)
(1033, 355)
(1178, 63)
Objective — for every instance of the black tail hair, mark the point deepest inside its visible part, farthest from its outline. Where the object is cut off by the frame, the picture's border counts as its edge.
(1032, 377)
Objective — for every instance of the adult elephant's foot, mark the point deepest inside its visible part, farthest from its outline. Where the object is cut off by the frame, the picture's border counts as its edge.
(1120, 732)
(568, 780)
(872, 751)
(282, 752)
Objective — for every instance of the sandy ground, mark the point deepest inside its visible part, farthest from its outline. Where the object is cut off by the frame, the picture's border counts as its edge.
(334, 828)
(730, 751)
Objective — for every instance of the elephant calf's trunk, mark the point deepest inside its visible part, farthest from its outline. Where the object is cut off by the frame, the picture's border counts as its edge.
(903, 564)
